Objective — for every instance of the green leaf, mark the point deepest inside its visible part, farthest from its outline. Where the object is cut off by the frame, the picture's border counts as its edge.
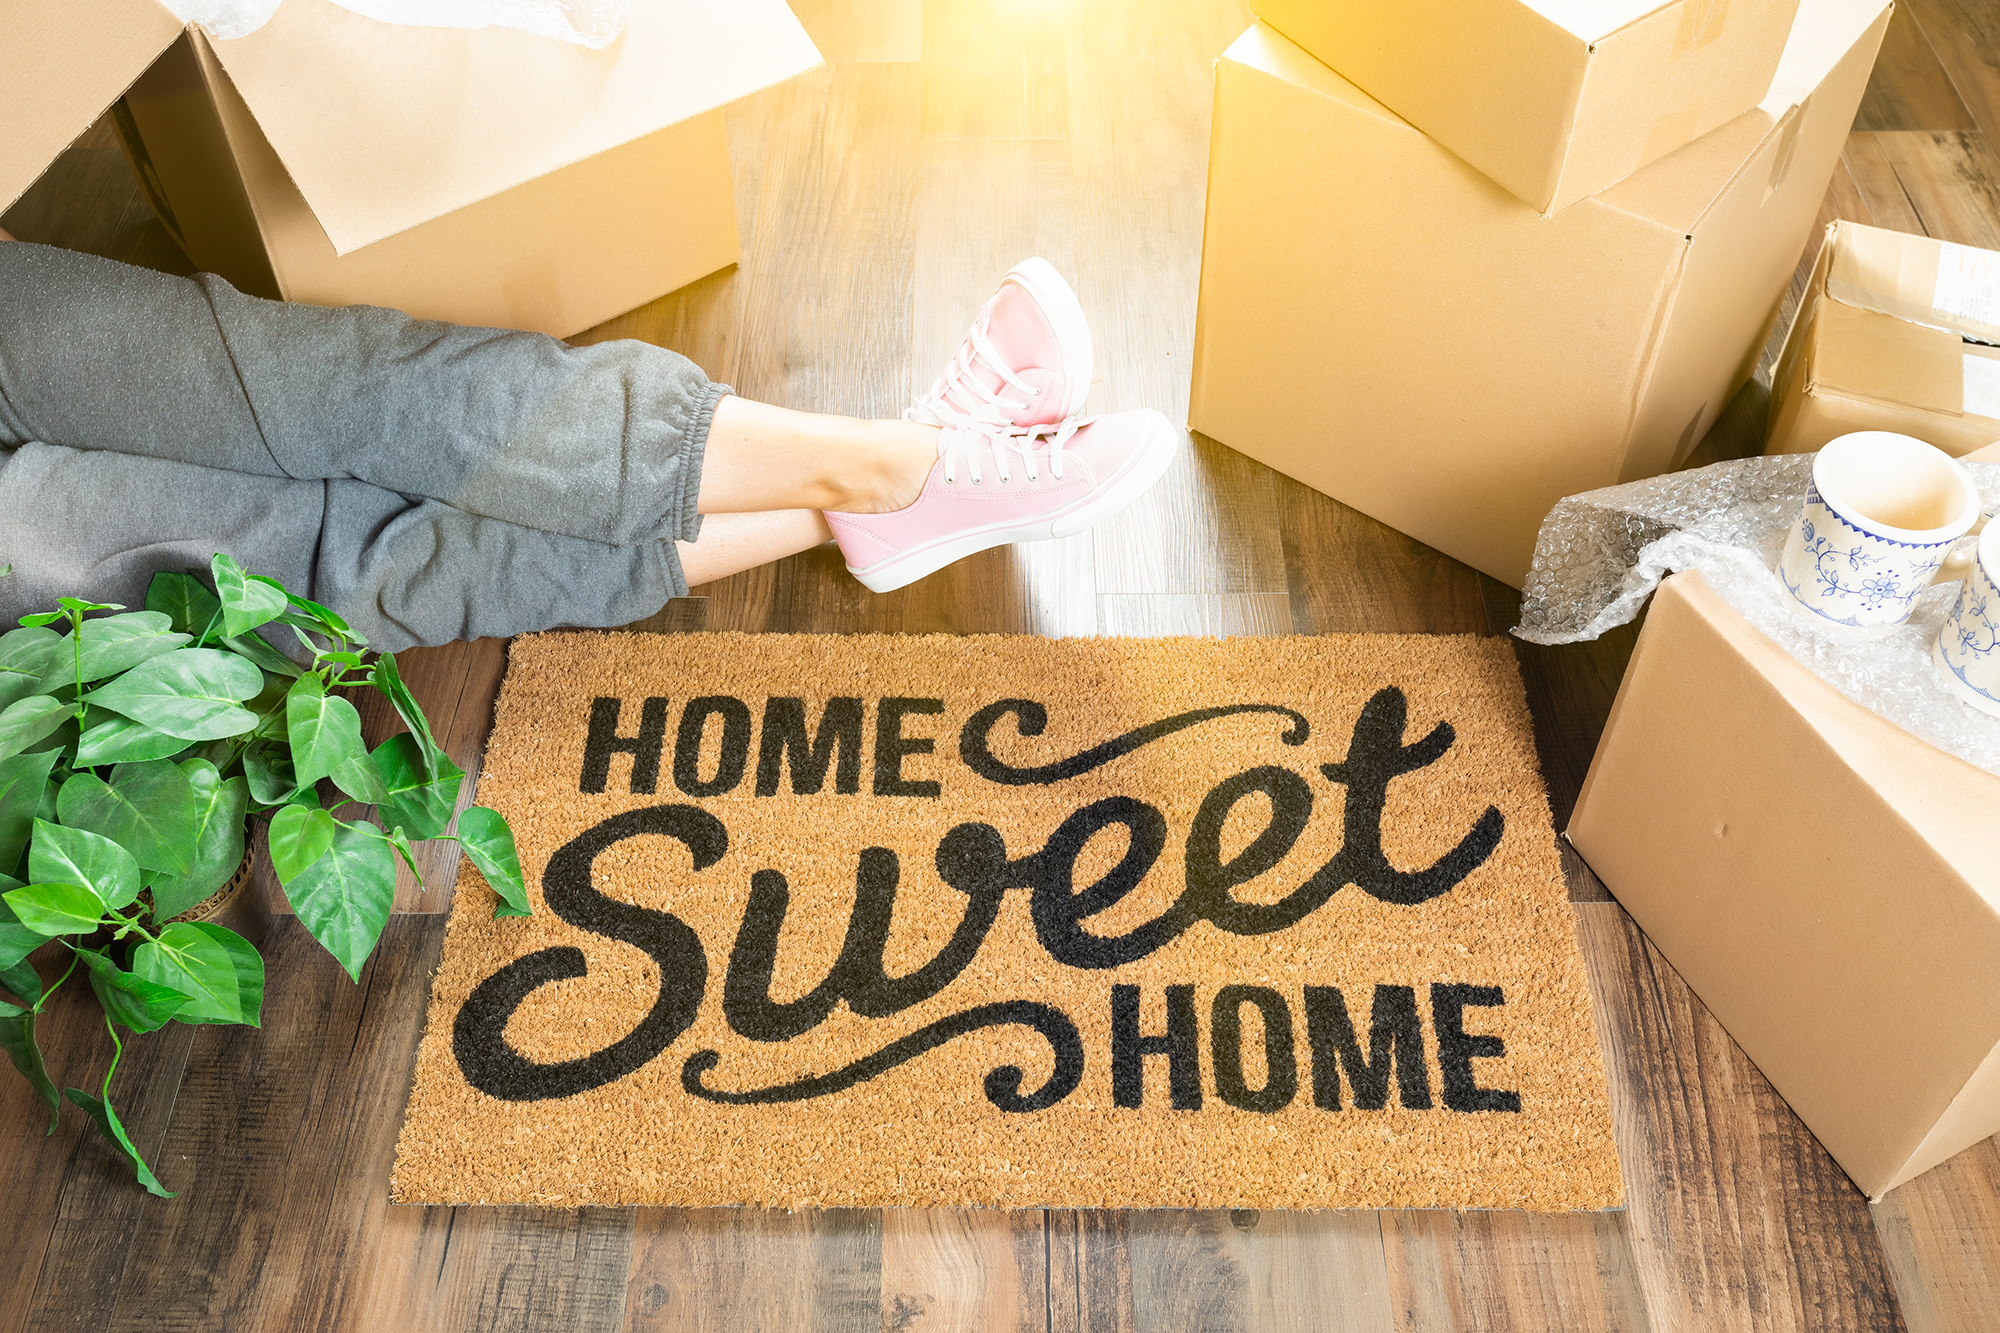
(247, 602)
(17, 1035)
(324, 730)
(24, 656)
(21, 981)
(196, 693)
(349, 660)
(185, 600)
(139, 1004)
(217, 969)
(118, 739)
(147, 808)
(62, 855)
(298, 837)
(401, 842)
(327, 618)
(112, 645)
(344, 897)
(26, 721)
(17, 941)
(57, 909)
(220, 808)
(269, 771)
(23, 781)
(413, 798)
(263, 654)
(78, 605)
(40, 618)
(490, 843)
(106, 1120)
(386, 678)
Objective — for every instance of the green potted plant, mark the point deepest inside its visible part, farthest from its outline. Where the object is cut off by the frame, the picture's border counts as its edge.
(136, 750)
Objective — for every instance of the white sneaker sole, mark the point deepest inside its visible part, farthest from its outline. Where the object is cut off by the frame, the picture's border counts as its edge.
(1041, 281)
(1146, 466)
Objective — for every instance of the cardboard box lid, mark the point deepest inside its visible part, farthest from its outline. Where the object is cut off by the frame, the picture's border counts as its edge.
(1916, 278)
(61, 63)
(385, 126)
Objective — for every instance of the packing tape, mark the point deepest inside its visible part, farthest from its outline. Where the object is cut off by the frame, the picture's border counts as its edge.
(1968, 284)
(1702, 22)
(1982, 386)
(1788, 146)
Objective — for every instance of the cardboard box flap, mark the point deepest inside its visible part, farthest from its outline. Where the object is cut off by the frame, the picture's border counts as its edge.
(383, 127)
(1679, 189)
(61, 63)
(1593, 20)
(1888, 359)
(1916, 278)
(1262, 47)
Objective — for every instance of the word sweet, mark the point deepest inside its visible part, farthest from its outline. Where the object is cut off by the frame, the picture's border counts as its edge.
(973, 860)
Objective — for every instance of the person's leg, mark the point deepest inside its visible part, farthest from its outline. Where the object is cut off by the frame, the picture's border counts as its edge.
(732, 543)
(605, 442)
(403, 572)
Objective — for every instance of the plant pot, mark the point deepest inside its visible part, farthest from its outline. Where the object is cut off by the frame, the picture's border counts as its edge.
(235, 905)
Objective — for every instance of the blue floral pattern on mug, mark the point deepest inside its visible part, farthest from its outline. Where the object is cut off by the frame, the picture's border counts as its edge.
(1851, 576)
(1969, 644)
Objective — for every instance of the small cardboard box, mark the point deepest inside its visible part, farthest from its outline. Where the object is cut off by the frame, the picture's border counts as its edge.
(1554, 99)
(1824, 881)
(487, 177)
(1385, 324)
(1894, 333)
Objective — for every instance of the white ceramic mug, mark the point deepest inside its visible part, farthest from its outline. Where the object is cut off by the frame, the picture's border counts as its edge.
(1967, 648)
(1882, 514)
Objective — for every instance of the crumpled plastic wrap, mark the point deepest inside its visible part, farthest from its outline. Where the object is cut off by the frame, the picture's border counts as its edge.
(1601, 554)
(592, 23)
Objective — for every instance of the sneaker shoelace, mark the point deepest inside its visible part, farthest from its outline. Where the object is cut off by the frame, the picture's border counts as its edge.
(969, 439)
(975, 402)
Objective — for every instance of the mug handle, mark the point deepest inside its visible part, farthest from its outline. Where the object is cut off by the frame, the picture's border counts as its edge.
(1959, 563)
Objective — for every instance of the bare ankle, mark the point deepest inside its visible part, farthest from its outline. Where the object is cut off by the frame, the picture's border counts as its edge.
(895, 462)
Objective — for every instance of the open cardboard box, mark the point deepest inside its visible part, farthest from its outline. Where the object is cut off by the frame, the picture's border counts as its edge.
(1554, 99)
(1385, 324)
(1895, 333)
(486, 177)
(1824, 881)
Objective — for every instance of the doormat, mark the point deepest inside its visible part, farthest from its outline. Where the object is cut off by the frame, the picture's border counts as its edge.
(1010, 921)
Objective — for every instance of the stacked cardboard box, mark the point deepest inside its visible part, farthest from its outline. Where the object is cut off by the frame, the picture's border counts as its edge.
(1897, 333)
(487, 177)
(1382, 321)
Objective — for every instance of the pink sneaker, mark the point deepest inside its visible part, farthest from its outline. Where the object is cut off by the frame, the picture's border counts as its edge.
(992, 485)
(1026, 360)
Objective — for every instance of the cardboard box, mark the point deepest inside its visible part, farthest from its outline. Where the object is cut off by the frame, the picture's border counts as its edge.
(1824, 881)
(1385, 324)
(1554, 99)
(1884, 340)
(487, 177)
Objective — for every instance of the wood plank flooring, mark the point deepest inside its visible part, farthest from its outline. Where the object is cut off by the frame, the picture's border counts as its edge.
(879, 199)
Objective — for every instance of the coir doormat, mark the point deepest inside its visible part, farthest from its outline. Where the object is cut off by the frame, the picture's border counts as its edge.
(1271, 923)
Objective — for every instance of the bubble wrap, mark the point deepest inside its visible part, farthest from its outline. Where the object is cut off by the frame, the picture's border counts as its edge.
(591, 23)
(1601, 554)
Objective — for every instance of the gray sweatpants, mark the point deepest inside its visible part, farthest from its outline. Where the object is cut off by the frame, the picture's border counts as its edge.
(428, 482)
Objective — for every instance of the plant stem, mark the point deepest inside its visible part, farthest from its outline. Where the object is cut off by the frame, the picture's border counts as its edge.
(51, 989)
(76, 646)
(117, 1053)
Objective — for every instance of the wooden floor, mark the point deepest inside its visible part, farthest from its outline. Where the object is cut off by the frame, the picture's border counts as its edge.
(879, 200)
